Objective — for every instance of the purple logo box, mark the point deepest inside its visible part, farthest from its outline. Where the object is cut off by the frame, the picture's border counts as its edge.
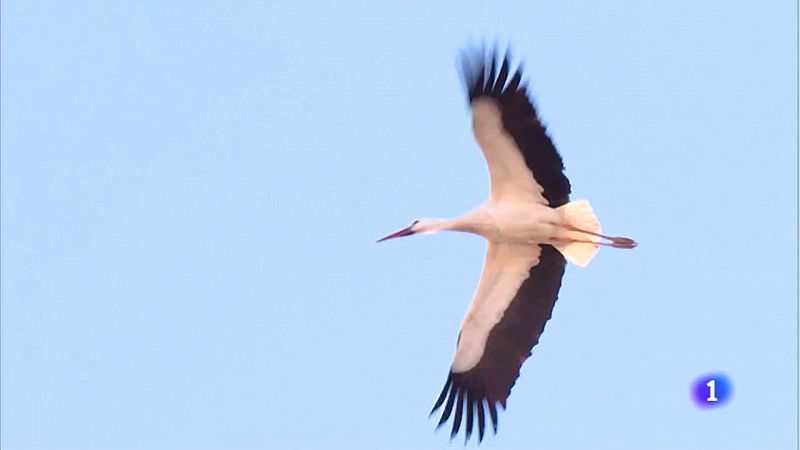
(712, 390)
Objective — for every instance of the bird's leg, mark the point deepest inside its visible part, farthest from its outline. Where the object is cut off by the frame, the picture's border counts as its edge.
(572, 241)
(616, 241)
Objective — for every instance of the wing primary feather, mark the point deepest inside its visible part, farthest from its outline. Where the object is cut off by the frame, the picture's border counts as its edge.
(493, 414)
(443, 395)
(468, 72)
(502, 77)
(469, 413)
(477, 87)
(457, 417)
(521, 86)
(490, 80)
(448, 408)
(481, 420)
(513, 85)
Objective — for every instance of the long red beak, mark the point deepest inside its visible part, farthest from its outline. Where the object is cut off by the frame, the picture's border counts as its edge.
(404, 232)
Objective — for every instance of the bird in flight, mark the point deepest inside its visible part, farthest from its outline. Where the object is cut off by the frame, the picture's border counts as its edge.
(532, 229)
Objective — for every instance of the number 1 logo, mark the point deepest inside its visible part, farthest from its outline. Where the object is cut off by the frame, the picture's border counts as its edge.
(712, 387)
(712, 390)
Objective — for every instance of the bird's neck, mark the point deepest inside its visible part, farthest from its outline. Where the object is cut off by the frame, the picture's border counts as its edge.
(468, 223)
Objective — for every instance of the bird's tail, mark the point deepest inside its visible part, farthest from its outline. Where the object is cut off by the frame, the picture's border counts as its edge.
(579, 247)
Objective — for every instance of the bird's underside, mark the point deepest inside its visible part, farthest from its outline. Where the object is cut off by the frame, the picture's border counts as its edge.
(520, 280)
(532, 230)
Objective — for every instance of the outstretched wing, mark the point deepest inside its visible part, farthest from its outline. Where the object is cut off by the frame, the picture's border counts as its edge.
(523, 162)
(515, 298)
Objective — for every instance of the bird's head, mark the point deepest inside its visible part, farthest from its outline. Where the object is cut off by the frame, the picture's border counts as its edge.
(417, 226)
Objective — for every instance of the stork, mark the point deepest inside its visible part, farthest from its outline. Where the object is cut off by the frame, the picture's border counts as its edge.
(532, 229)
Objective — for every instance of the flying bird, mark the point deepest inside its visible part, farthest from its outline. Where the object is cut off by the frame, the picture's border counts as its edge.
(532, 229)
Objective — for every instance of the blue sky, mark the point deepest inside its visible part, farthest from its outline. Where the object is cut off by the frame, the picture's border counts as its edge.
(191, 194)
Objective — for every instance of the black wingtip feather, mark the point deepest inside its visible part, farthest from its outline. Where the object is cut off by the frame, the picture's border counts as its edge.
(490, 79)
(467, 73)
(443, 395)
(481, 421)
(493, 415)
(502, 77)
(469, 412)
(457, 417)
(448, 408)
(477, 86)
(513, 85)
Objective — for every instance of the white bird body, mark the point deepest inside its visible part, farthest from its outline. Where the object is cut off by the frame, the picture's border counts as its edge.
(532, 229)
(503, 221)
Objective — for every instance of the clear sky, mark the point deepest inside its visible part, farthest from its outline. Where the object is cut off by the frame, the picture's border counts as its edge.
(191, 194)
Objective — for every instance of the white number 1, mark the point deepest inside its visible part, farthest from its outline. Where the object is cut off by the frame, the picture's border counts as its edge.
(712, 390)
